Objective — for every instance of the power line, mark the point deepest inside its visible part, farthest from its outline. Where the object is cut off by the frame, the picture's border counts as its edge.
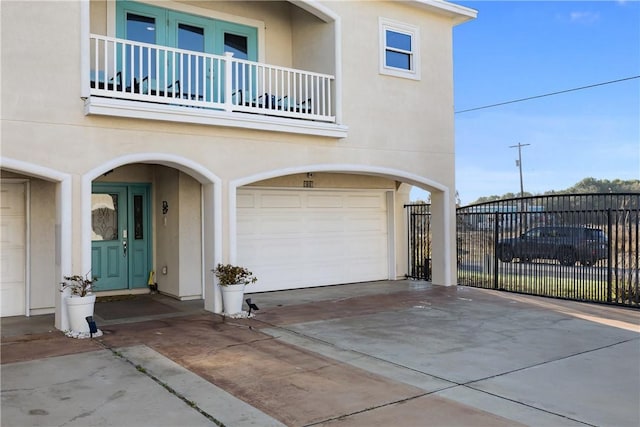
(547, 94)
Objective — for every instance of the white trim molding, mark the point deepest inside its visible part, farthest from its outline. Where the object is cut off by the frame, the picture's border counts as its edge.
(145, 110)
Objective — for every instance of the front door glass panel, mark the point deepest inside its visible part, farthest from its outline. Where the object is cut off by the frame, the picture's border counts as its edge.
(138, 217)
(104, 217)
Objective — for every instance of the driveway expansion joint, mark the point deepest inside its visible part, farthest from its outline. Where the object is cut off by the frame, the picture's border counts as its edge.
(546, 362)
(164, 385)
(362, 411)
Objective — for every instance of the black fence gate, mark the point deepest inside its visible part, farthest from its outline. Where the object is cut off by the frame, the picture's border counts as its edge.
(583, 247)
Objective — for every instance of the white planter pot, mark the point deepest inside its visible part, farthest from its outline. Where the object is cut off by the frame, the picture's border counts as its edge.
(232, 298)
(78, 309)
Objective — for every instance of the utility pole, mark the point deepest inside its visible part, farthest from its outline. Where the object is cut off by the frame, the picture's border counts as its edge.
(519, 164)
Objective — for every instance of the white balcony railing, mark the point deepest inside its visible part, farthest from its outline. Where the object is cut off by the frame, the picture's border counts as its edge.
(136, 71)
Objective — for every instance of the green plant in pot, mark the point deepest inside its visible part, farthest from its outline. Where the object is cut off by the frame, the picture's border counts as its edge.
(232, 280)
(80, 301)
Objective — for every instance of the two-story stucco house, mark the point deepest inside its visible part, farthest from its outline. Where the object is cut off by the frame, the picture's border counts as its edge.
(169, 136)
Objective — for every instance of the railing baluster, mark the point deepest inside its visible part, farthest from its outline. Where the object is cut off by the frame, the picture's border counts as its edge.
(165, 73)
(117, 47)
(329, 102)
(306, 93)
(317, 87)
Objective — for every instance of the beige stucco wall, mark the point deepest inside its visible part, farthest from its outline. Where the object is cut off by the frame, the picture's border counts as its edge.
(190, 241)
(167, 252)
(43, 108)
(393, 123)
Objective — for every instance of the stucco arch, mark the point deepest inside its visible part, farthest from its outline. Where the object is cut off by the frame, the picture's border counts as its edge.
(441, 208)
(211, 202)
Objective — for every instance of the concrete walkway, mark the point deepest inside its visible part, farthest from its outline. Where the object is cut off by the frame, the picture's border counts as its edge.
(385, 353)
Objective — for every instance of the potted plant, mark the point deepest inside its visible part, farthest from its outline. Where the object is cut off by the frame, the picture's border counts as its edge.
(232, 280)
(80, 301)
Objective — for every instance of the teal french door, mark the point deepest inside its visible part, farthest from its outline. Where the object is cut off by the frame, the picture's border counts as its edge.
(164, 27)
(121, 235)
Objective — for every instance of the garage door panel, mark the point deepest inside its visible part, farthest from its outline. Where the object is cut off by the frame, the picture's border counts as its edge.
(12, 201)
(12, 249)
(280, 200)
(247, 226)
(283, 251)
(279, 225)
(324, 224)
(13, 299)
(302, 238)
(246, 201)
(367, 223)
(272, 277)
(325, 202)
(12, 229)
(12, 261)
(369, 247)
(366, 201)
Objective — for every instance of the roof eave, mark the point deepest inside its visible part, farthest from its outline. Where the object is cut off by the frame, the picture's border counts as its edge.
(459, 14)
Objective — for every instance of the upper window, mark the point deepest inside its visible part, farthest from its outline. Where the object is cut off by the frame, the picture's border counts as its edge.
(399, 49)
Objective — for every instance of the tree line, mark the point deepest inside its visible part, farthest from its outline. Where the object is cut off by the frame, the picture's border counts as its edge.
(586, 186)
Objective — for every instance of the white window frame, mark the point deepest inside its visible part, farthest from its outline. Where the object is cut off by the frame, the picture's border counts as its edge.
(410, 30)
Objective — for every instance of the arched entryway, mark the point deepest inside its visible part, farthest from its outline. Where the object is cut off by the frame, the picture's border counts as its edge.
(349, 228)
(152, 215)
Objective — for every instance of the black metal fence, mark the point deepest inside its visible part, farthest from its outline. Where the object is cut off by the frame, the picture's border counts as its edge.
(419, 225)
(582, 247)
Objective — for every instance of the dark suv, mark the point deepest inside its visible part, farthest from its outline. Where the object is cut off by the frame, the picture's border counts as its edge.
(566, 244)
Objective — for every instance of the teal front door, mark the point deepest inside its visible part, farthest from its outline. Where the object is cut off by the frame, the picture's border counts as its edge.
(121, 236)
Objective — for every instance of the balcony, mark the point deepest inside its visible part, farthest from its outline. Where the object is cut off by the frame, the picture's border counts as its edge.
(133, 79)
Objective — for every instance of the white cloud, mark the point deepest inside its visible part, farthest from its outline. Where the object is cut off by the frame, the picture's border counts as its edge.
(584, 17)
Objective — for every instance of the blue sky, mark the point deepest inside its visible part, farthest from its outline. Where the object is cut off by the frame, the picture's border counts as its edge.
(519, 49)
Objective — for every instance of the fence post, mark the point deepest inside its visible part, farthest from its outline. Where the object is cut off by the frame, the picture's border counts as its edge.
(495, 249)
(609, 256)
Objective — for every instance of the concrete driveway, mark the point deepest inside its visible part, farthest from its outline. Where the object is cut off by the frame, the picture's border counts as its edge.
(400, 353)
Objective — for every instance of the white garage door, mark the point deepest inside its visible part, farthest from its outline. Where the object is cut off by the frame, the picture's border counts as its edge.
(303, 238)
(12, 249)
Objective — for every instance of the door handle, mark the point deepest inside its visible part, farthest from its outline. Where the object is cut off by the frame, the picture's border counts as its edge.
(124, 248)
